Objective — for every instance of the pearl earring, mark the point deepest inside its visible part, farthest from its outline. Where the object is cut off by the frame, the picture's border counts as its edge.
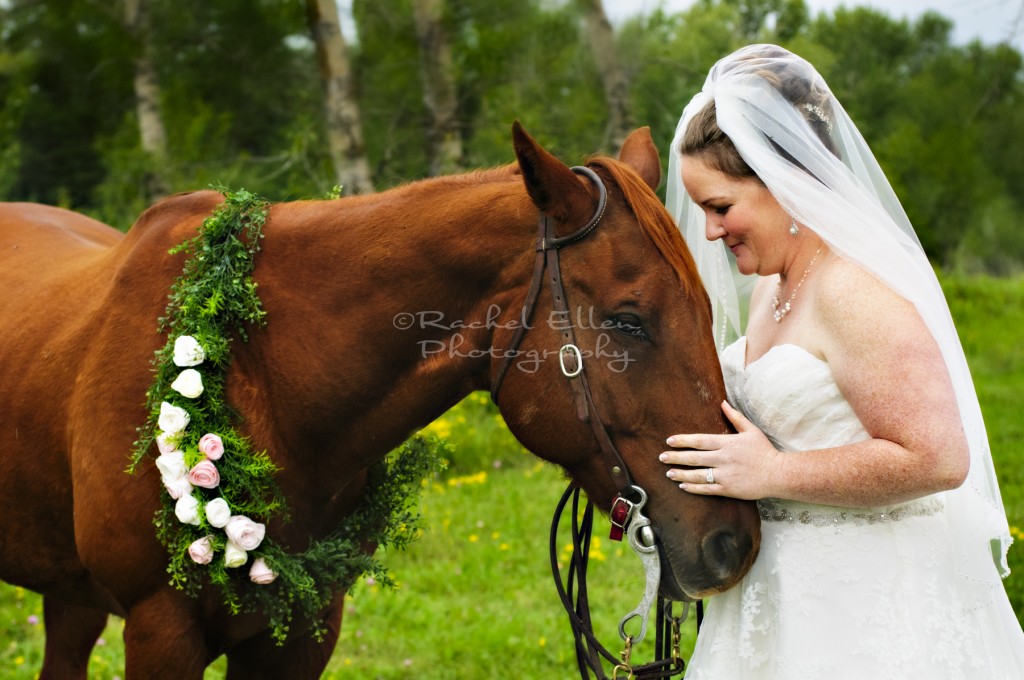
(793, 229)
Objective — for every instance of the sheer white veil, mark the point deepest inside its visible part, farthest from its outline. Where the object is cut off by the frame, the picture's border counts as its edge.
(783, 119)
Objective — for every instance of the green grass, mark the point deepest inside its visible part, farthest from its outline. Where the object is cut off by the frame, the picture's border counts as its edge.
(989, 315)
(476, 595)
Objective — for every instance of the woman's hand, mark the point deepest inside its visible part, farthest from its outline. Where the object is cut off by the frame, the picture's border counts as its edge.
(741, 465)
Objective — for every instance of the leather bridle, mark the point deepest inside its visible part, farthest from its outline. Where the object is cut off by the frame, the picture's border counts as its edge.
(590, 654)
(570, 358)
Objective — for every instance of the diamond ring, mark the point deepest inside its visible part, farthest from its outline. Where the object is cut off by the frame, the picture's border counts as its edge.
(710, 477)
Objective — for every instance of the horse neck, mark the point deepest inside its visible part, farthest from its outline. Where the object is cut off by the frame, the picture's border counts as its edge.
(378, 311)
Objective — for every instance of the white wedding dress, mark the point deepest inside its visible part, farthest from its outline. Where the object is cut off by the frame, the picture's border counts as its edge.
(846, 593)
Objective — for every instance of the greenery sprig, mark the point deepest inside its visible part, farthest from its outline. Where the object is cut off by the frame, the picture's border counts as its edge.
(220, 491)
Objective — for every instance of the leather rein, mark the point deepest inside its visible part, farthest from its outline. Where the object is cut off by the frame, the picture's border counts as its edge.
(625, 514)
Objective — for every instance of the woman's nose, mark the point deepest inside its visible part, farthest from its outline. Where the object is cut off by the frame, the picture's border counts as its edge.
(713, 229)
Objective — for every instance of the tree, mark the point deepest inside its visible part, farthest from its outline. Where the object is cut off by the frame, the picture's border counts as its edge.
(341, 109)
(152, 133)
(439, 90)
(69, 87)
(601, 39)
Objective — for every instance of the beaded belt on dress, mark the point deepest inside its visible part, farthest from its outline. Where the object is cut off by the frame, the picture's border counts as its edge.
(772, 510)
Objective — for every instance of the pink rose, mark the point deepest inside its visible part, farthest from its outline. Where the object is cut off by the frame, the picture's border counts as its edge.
(245, 533)
(204, 474)
(201, 551)
(260, 573)
(211, 446)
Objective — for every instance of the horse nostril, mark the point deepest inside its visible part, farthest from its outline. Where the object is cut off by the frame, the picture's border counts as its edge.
(723, 554)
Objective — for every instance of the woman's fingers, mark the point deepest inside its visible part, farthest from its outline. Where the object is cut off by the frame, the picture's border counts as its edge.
(688, 458)
(736, 417)
(704, 475)
(702, 442)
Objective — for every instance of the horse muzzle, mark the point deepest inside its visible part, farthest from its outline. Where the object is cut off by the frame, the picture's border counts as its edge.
(721, 560)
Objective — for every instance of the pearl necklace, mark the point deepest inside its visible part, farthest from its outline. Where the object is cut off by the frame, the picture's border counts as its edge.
(781, 310)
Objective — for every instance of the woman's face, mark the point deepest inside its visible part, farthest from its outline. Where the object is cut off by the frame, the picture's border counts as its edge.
(741, 212)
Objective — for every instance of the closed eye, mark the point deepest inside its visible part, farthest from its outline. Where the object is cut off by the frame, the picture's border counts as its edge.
(630, 326)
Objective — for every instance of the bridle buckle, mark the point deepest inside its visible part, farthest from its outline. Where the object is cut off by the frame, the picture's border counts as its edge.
(619, 515)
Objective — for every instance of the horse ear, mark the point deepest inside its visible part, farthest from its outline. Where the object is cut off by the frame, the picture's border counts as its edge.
(639, 152)
(554, 188)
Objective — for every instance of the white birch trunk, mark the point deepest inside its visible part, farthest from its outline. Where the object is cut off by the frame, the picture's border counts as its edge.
(344, 127)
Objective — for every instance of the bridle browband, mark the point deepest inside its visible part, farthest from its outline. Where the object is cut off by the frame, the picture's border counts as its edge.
(624, 512)
(570, 358)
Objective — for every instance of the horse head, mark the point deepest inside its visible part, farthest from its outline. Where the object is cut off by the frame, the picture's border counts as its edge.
(613, 351)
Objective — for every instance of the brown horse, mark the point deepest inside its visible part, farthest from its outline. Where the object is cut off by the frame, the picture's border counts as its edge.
(336, 380)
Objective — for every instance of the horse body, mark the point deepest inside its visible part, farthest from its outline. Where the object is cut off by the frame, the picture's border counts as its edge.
(384, 311)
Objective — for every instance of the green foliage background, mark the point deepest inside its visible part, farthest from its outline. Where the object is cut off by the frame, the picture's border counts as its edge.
(242, 103)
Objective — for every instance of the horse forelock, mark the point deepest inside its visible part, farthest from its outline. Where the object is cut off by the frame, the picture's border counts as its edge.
(655, 222)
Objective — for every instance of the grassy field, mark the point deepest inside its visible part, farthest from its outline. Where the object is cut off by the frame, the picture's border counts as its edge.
(476, 594)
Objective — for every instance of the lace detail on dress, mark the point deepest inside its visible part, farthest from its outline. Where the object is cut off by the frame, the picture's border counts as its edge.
(753, 609)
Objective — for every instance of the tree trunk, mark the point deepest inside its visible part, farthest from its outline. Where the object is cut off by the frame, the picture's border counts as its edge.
(152, 133)
(613, 77)
(439, 91)
(344, 129)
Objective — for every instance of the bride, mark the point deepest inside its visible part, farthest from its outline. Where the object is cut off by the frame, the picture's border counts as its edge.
(858, 428)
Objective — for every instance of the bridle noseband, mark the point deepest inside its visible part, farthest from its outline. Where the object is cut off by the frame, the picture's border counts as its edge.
(625, 514)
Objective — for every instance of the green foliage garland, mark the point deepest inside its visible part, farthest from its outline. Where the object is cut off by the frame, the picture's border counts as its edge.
(214, 298)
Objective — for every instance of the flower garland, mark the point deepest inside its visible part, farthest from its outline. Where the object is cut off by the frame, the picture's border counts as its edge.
(220, 493)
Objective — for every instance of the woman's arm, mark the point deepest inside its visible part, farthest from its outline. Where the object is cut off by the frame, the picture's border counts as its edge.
(891, 371)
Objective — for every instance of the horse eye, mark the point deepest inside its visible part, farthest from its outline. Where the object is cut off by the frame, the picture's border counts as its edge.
(630, 325)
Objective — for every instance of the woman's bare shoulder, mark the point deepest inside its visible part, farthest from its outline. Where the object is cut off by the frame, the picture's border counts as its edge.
(853, 304)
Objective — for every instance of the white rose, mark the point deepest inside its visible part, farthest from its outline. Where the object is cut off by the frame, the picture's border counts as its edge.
(166, 443)
(217, 512)
(234, 556)
(174, 473)
(171, 466)
(176, 488)
(189, 383)
(187, 509)
(188, 352)
(172, 418)
(245, 533)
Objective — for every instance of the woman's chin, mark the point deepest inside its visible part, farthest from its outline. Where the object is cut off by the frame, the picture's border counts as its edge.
(745, 266)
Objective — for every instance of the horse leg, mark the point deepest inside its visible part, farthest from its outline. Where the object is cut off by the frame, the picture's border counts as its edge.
(300, 658)
(163, 639)
(71, 633)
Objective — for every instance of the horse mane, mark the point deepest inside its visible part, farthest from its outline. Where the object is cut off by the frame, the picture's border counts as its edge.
(655, 221)
(469, 178)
